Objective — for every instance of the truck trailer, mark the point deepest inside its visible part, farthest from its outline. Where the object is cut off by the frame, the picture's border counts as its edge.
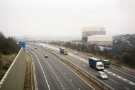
(96, 63)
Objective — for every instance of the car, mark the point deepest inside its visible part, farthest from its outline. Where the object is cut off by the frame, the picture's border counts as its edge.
(102, 75)
(46, 56)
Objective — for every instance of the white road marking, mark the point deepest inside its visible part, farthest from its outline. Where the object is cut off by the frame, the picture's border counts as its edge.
(58, 79)
(42, 71)
(123, 79)
(123, 72)
(132, 83)
(77, 75)
(118, 77)
(84, 60)
(114, 74)
(9, 69)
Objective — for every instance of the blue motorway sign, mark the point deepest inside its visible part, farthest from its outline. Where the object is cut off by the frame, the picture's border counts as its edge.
(22, 44)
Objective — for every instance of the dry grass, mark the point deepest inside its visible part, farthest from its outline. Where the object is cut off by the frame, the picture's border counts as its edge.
(5, 62)
(29, 81)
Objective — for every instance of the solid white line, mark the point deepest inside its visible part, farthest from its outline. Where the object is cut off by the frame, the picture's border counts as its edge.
(76, 74)
(91, 75)
(9, 69)
(82, 59)
(42, 71)
(80, 67)
(61, 84)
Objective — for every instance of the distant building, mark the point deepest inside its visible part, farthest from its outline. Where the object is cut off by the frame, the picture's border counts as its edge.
(90, 31)
(100, 40)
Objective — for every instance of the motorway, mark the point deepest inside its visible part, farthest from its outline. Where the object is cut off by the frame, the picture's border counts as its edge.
(124, 75)
(52, 74)
(118, 79)
(122, 71)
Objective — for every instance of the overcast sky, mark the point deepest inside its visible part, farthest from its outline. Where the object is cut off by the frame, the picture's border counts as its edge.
(65, 18)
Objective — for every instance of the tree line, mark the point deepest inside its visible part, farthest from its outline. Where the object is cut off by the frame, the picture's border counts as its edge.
(123, 49)
(8, 45)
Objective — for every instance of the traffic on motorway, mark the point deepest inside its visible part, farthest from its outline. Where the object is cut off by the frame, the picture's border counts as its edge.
(67, 44)
(101, 72)
(51, 74)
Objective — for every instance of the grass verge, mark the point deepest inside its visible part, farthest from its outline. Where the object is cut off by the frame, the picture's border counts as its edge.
(5, 62)
(29, 81)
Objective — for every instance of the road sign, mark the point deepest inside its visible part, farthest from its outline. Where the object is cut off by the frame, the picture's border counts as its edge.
(22, 44)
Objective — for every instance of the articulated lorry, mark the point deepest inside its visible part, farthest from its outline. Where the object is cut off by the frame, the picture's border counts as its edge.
(96, 63)
(63, 51)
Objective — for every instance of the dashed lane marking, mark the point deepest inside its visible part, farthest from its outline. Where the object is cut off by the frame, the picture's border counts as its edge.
(109, 72)
(125, 80)
(42, 71)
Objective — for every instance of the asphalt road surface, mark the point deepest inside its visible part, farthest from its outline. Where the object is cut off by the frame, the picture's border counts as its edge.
(52, 74)
(118, 79)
